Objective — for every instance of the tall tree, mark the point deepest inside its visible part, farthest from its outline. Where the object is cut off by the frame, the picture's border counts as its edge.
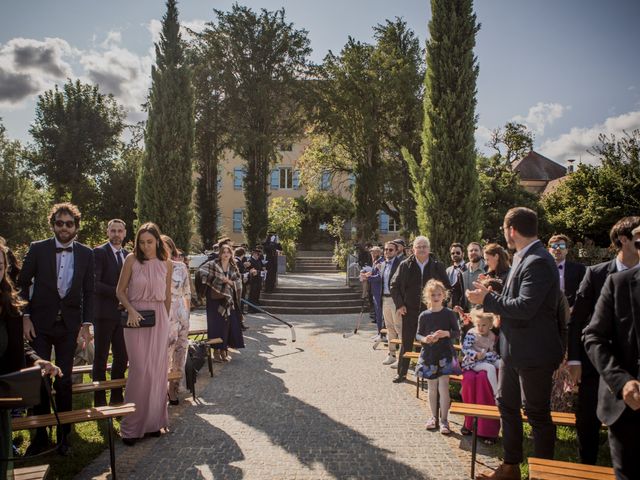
(76, 133)
(23, 202)
(446, 181)
(265, 63)
(165, 186)
(211, 135)
(512, 142)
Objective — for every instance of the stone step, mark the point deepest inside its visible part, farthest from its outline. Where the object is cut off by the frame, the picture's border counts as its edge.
(315, 290)
(306, 303)
(302, 310)
(318, 270)
(315, 264)
(303, 297)
(314, 253)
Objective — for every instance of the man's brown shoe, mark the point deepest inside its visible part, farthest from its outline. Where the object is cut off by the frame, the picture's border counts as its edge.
(503, 472)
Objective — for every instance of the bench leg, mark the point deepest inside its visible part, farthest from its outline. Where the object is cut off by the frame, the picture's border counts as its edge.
(112, 448)
(210, 361)
(417, 386)
(474, 446)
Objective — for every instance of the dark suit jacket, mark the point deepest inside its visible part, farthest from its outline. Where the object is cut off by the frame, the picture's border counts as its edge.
(611, 340)
(528, 308)
(407, 284)
(39, 268)
(573, 274)
(583, 307)
(106, 275)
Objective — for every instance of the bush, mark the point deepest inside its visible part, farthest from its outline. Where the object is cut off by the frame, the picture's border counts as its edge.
(286, 220)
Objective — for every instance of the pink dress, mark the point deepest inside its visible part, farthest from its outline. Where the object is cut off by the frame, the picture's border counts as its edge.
(147, 350)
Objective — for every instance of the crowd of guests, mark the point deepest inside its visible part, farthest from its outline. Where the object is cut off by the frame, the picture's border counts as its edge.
(134, 305)
(519, 320)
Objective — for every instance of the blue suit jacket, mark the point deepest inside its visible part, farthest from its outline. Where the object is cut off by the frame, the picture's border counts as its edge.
(39, 269)
(529, 332)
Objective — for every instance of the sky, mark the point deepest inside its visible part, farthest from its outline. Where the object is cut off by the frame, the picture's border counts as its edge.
(568, 69)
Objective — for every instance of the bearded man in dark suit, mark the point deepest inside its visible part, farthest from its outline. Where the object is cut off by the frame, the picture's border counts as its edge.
(530, 341)
(107, 328)
(61, 272)
(571, 273)
(582, 371)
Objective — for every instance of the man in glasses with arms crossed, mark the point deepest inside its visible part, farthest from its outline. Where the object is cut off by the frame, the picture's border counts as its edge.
(61, 305)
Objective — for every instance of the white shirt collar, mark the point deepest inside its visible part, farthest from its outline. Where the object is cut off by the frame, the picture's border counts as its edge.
(114, 249)
(63, 245)
(521, 253)
(621, 267)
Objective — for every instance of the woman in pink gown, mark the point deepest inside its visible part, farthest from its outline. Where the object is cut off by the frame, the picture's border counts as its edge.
(145, 284)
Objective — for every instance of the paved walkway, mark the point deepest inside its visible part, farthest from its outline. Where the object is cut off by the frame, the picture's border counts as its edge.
(321, 408)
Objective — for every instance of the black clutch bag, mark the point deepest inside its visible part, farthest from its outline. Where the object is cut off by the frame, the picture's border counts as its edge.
(148, 318)
(21, 388)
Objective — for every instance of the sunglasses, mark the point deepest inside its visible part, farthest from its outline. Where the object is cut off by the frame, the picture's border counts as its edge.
(68, 223)
(456, 253)
(558, 246)
(636, 243)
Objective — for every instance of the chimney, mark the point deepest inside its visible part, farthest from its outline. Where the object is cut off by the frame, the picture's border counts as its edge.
(570, 167)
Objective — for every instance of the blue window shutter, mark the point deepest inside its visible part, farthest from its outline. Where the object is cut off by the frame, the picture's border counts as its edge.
(238, 178)
(237, 220)
(296, 180)
(384, 222)
(275, 179)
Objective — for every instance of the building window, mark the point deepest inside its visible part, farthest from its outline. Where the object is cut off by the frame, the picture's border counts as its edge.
(394, 226)
(237, 220)
(286, 178)
(325, 181)
(352, 179)
(238, 178)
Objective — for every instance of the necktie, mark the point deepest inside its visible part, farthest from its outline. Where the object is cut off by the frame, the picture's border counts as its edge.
(119, 259)
(64, 249)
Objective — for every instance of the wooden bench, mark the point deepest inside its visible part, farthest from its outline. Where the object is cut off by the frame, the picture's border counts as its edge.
(491, 412)
(86, 368)
(37, 472)
(109, 384)
(79, 416)
(541, 469)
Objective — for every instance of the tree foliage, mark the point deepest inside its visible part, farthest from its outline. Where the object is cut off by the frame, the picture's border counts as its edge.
(165, 187)
(264, 62)
(594, 197)
(24, 203)
(286, 219)
(512, 142)
(445, 181)
(76, 137)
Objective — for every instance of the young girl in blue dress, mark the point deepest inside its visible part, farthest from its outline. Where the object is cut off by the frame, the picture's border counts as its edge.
(437, 328)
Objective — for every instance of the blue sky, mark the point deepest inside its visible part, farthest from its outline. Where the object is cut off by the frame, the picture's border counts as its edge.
(567, 68)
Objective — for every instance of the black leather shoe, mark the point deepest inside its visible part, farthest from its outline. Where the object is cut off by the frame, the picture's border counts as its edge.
(157, 433)
(399, 379)
(130, 442)
(174, 402)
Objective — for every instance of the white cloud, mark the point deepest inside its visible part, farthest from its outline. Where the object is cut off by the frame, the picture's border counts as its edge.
(155, 28)
(541, 115)
(576, 143)
(483, 135)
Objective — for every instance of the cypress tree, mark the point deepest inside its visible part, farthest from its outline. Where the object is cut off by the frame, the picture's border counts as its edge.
(446, 181)
(165, 187)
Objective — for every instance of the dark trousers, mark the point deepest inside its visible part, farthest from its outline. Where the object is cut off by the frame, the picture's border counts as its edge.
(272, 275)
(108, 332)
(623, 442)
(255, 284)
(64, 342)
(587, 423)
(409, 330)
(535, 383)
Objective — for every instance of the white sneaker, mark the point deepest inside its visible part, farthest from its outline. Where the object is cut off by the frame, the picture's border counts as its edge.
(394, 364)
(389, 360)
(376, 338)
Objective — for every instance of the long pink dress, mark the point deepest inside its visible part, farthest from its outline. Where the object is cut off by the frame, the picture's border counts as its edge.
(147, 350)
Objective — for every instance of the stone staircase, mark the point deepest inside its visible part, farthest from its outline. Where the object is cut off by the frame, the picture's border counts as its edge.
(315, 262)
(312, 301)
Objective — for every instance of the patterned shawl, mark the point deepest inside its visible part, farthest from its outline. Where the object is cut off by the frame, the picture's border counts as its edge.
(213, 276)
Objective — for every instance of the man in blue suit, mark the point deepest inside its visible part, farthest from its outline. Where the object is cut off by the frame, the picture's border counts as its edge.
(530, 342)
(61, 272)
(107, 328)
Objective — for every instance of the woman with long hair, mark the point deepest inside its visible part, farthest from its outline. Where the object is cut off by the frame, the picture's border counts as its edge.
(15, 354)
(497, 260)
(178, 317)
(145, 284)
(224, 311)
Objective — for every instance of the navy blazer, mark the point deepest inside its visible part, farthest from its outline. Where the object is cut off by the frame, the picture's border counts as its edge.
(573, 275)
(106, 278)
(528, 308)
(611, 340)
(39, 269)
(583, 308)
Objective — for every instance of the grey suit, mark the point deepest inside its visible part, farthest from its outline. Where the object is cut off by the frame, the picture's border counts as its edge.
(531, 349)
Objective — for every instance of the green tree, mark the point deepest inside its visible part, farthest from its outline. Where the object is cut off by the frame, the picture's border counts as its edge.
(76, 137)
(23, 203)
(165, 186)
(286, 219)
(512, 142)
(264, 61)
(592, 198)
(446, 181)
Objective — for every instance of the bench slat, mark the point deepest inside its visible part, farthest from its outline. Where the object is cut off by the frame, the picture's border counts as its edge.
(544, 469)
(37, 472)
(110, 384)
(74, 416)
(491, 412)
(86, 368)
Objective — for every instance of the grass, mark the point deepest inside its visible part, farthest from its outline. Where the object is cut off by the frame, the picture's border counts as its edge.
(88, 440)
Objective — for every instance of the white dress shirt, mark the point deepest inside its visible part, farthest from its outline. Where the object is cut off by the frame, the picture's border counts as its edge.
(64, 269)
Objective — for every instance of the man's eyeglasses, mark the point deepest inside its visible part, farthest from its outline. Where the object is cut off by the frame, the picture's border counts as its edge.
(389, 249)
(456, 253)
(68, 223)
(558, 246)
